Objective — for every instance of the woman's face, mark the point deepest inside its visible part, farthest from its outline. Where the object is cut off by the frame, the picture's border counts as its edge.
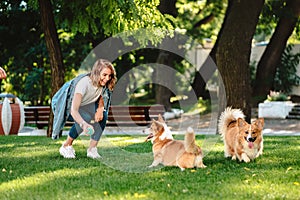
(105, 76)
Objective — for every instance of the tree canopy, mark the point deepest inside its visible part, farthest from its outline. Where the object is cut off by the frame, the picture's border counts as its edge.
(82, 25)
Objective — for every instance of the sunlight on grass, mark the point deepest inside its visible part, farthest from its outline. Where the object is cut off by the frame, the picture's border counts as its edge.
(121, 154)
(22, 152)
(262, 186)
(202, 107)
(116, 141)
(39, 179)
(124, 153)
(31, 168)
(124, 141)
(7, 146)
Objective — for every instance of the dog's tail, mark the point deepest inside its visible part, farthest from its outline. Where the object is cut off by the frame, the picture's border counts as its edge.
(189, 141)
(227, 117)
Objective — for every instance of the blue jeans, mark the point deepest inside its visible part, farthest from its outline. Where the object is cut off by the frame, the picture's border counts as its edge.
(87, 112)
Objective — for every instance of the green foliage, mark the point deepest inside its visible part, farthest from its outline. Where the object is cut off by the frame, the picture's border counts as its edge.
(31, 168)
(277, 96)
(145, 36)
(286, 74)
(268, 20)
(202, 107)
(272, 11)
(84, 24)
(24, 55)
(192, 12)
(21, 46)
(81, 26)
(109, 17)
(33, 84)
(297, 30)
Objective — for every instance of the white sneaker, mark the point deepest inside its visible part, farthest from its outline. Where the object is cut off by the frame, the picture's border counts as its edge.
(72, 150)
(93, 153)
(67, 152)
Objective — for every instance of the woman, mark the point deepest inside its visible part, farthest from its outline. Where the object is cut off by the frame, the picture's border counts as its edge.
(89, 107)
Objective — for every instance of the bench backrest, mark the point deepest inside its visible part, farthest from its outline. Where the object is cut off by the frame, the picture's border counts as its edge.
(133, 115)
(38, 115)
(117, 115)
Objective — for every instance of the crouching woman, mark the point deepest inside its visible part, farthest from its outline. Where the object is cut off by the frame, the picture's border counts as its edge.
(84, 100)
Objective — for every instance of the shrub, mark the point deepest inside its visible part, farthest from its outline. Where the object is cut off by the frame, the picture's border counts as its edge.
(277, 96)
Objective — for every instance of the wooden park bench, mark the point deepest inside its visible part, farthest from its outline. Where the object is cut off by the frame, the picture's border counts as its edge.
(117, 115)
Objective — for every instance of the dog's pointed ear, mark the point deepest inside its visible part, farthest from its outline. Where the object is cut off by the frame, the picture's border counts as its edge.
(160, 118)
(260, 123)
(153, 122)
(158, 125)
(241, 122)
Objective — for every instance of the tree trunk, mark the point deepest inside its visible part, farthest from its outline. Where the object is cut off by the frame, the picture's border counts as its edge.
(206, 71)
(204, 74)
(266, 68)
(54, 50)
(233, 53)
(165, 77)
(162, 93)
(41, 97)
(168, 7)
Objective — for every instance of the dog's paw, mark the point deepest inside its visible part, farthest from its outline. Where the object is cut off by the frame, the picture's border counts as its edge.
(245, 158)
(182, 169)
(152, 165)
(257, 155)
(227, 154)
(202, 166)
(233, 157)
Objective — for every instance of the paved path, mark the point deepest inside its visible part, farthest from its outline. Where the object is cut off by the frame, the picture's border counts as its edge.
(282, 127)
(206, 125)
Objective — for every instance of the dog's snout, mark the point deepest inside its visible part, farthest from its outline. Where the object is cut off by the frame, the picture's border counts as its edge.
(251, 139)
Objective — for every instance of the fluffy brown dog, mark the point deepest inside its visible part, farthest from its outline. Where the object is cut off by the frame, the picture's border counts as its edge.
(170, 152)
(241, 140)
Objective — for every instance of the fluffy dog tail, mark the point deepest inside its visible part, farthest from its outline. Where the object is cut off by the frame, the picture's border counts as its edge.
(227, 117)
(189, 141)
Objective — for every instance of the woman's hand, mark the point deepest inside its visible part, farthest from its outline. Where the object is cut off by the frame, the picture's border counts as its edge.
(100, 109)
(85, 126)
(99, 114)
(76, 115)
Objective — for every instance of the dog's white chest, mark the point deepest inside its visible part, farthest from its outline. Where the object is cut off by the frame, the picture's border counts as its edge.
(251, 152)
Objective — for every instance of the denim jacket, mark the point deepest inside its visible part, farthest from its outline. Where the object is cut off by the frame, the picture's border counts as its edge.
(62, 101)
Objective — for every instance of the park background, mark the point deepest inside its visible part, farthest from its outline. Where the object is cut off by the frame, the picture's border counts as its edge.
(44, 43)
(253, 43)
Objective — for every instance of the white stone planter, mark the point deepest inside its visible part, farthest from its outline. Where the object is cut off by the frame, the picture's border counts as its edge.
(275, 109)
(175, 113)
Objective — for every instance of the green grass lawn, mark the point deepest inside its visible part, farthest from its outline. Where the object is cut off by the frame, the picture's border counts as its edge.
(31, 168)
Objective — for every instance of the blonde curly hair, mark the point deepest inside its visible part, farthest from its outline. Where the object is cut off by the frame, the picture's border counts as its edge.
(99, 65)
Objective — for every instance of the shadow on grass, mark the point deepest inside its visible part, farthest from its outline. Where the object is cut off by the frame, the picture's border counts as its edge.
(33, 169)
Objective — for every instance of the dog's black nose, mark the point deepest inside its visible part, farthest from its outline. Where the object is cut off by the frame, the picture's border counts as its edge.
(251, 139)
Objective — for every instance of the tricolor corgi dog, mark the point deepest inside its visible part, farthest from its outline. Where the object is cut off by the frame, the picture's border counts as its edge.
(169, 152)
(242, 141)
